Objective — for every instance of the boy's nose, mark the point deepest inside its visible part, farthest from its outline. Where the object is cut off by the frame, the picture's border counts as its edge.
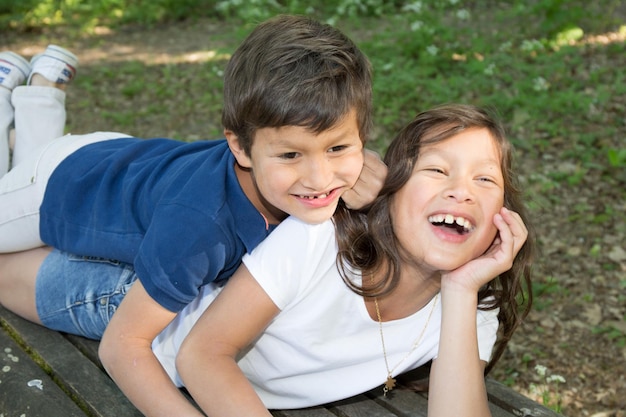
(317, 174)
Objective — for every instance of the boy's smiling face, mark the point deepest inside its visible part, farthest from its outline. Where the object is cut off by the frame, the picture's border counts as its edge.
(300, 173)
(443, 216)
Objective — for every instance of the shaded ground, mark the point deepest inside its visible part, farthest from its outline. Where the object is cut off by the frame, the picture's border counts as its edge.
(577, 329)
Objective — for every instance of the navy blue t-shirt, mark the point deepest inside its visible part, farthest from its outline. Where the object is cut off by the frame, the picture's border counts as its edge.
(174, 210)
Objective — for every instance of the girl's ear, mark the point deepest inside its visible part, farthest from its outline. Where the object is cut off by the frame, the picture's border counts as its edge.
(242, 158)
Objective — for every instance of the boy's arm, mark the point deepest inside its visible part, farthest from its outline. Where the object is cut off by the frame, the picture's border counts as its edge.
(369, 183)
(206, 360)
(457, 384)
(126, 354)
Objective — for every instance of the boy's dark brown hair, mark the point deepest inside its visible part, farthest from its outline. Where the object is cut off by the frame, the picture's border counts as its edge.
(295, 71)
(367, 242)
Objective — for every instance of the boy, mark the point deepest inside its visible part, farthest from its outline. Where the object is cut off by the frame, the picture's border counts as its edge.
(177, 216)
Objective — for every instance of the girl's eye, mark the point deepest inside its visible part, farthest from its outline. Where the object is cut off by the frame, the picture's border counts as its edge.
(491, 181)
(436, 170)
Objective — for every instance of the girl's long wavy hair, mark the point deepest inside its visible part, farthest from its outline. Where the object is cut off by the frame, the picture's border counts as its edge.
(367, 243)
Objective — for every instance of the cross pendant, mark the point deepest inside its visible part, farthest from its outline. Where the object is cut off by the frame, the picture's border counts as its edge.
(389, 385)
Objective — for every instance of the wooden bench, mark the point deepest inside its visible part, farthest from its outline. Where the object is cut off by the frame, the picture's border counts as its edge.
(49, 374)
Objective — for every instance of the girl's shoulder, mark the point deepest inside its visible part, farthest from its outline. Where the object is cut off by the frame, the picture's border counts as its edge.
(289, 261)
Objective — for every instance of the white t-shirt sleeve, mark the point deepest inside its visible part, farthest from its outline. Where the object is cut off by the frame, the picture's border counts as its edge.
(286, 263)
(487, 329)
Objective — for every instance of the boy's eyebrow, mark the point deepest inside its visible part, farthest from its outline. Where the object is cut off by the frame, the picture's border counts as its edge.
(330, 136)
(296, 145)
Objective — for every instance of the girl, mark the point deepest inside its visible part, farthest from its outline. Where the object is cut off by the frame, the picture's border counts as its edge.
(348, 305)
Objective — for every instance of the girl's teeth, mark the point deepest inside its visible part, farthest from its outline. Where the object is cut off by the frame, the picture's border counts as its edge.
(450, 219)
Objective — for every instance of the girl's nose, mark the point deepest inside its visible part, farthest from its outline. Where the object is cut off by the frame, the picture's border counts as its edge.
(460, 190)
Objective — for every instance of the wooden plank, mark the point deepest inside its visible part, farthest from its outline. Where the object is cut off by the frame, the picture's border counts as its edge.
(402, 402)
(499, 412)
(88, 347)
(514, 402)
(360, 406)
(305, 412)
(76, 374)
(18, 397)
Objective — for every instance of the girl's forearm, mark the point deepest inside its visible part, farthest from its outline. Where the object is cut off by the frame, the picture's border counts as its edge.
(218, 385)
(457, 384)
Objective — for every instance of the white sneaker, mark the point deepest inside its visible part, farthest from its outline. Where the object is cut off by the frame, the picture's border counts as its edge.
(56, 64)
(13, 69)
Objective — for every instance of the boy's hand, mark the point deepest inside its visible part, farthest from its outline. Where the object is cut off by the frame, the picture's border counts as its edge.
(369, 183)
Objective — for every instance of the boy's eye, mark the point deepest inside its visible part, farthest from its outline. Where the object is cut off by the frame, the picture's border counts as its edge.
(337, 148)
(288, 155)
(436, 170)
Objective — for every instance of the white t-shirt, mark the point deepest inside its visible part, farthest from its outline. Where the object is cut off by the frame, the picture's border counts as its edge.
(323, 346)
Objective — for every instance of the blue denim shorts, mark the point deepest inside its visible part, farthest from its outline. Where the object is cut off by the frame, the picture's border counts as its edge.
(79, 294)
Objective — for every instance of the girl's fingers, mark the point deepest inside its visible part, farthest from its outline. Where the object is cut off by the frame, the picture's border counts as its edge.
(512, 227)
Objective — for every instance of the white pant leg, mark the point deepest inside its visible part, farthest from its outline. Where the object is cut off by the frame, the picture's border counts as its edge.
(6, 122)
(23, 188)
(39, 118)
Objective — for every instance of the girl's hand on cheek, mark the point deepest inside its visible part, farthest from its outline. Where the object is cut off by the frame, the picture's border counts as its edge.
(371, 180)
(512, 234)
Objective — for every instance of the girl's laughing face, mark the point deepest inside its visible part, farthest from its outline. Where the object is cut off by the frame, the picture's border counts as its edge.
(443, 216)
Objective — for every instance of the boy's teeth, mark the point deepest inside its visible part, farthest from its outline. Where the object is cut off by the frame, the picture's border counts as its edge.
(312, 197)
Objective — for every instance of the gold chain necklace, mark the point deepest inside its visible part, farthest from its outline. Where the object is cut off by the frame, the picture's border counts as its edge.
(391, 381)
